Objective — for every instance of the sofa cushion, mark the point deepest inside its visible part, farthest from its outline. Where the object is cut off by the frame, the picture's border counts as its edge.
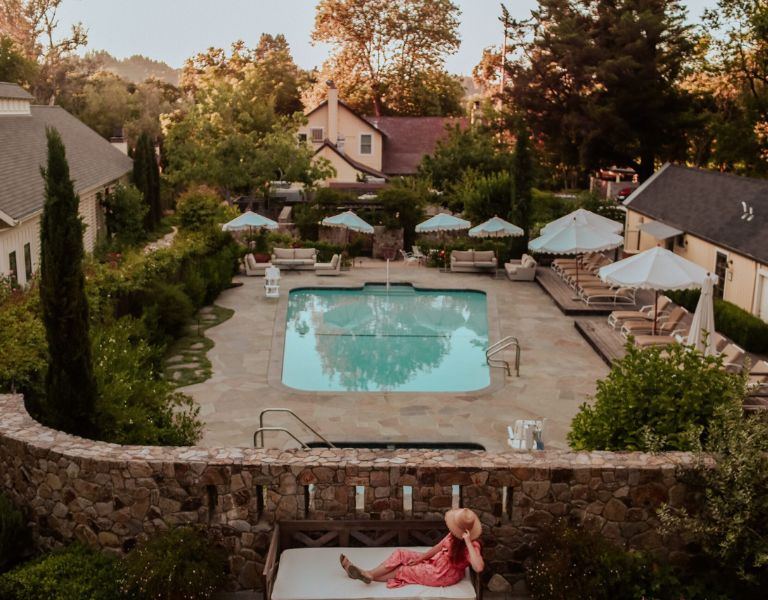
(315, 574)
(305, 253)
(462, 255)
(283, 252)
(484, 256)
(463, 263)
(528, 262)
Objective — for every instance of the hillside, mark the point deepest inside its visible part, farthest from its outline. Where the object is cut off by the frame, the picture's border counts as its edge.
(137, 68)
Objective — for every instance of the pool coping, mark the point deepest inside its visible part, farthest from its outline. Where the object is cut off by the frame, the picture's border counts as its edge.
(275, 369)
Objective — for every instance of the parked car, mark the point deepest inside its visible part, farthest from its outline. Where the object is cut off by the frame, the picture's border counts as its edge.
(624, 194)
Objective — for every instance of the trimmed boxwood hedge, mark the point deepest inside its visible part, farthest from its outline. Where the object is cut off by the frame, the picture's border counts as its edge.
(747, 330)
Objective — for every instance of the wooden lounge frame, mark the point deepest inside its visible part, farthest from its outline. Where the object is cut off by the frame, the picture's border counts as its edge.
(352, 533)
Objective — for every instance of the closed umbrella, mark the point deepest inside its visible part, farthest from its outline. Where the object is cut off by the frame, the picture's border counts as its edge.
(702, 336)
(249, 220)
(655, 269)
(575, 237)
(496, 227)
(584, 216)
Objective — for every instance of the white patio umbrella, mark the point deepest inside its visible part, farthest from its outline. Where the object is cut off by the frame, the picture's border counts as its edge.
(585, 216)
(702, 336)
(575, 237)
(249, 220)
(349, 221)
(496, 227)
(655, 269)
(442, 222)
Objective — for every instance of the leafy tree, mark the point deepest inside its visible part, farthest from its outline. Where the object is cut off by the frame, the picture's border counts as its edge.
(598, 82)
(380, 47)
(125, 210)
(14, 66)
(105, 104)
(655, 399)
(200, 208)
(481, 197)
(70, 387)
(473, 148)
(730, 517)
(403, 206)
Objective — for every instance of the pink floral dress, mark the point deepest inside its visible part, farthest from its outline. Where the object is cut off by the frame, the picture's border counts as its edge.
(437, 571)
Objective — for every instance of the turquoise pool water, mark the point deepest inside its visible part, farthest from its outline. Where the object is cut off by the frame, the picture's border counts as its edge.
(373, 339)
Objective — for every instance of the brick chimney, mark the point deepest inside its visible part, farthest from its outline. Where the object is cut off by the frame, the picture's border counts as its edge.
(332, 131)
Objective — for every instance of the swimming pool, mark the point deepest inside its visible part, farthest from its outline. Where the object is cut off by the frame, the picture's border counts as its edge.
(377, 339)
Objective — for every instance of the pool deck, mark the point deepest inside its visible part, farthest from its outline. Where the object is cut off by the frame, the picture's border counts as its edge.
(558, 370)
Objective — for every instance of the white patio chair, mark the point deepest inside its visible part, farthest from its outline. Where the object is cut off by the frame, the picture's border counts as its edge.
(409, 258)
(417, 253)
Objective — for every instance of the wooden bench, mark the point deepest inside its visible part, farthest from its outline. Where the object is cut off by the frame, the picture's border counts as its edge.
(310, 568)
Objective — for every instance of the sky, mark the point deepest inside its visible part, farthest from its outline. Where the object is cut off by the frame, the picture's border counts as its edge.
(173, 30)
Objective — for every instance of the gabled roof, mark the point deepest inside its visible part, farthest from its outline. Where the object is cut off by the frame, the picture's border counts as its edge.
(408, 139)
(13, 91)
(355, 164)
(93, 161)
(345, 105)
(710, 205)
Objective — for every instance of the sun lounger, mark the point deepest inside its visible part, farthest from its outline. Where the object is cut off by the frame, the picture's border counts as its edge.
(665, 324)
(607, 296)
(758, 376)
(733, 358)
(646, 313)
(647, 341)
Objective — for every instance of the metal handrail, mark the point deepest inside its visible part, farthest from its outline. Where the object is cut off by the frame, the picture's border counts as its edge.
(294, 415)
(503, 344)
(261, 431)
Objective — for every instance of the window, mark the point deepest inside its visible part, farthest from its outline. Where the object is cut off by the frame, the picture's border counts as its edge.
(13, 268)
(316, 133)
(303, 137)
(28, 261)
(721, 269)
(366, 143)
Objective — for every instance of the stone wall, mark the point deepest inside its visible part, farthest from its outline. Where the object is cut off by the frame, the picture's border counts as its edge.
(114, 496)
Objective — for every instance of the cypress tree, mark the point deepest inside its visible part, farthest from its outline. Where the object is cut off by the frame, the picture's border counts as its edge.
(153, 181)
(141, 177)
(522, 182)
(70, 386)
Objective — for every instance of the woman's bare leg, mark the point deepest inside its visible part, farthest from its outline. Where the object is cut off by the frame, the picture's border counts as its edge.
(382, 572)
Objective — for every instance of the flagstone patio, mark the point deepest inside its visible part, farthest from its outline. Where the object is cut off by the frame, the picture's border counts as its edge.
(558, 370)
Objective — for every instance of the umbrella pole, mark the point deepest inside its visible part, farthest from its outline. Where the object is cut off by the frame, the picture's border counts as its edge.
(655, 309)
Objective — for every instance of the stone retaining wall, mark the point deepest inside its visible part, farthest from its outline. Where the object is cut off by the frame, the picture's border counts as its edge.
(113, 496)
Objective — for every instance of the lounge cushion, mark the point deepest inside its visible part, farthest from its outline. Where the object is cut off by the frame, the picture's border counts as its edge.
(315, 574)
(528, 261)
(484, 256)
(283, 253)
(462, 255)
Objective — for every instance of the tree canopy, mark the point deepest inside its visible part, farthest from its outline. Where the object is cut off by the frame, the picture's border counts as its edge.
(387, 55)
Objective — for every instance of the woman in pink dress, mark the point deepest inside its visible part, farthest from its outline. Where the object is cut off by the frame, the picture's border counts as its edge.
(440, 566)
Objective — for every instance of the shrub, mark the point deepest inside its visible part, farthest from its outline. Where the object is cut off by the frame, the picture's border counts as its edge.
(14, 535)
(655, 399)
(180, 564)
(730, 516)
(572, 562)
(133, 405)
(75, 573)
(744, 328)
(199, 208)
(125, 212)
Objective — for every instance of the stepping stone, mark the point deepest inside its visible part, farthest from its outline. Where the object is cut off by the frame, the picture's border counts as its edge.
(197, 346)
(175, 359)
(177, 375)
(206, 310)
(188, 365)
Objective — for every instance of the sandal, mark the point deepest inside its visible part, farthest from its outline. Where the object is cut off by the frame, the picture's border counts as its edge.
(356, 573)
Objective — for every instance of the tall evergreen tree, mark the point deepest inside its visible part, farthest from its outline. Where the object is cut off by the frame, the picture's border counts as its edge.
(146, 177)
(70, 386)
(522, 182)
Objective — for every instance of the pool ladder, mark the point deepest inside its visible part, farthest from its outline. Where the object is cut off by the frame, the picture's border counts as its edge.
(500, 346)
(258, 435)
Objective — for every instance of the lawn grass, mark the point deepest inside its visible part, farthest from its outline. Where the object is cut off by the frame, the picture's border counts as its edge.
(186, 361)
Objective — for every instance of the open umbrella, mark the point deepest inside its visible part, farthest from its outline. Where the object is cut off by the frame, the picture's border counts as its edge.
(442, 222)
(249, 220)
(702, 336)
(496, 227)
(349, 221)
(575, 237)
(584, 216)
(655, 269)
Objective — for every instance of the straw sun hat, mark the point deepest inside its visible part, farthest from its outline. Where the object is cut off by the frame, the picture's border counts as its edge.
(460, 520)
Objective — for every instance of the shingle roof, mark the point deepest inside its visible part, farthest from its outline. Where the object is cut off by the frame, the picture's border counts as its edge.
(708, 204)
(92, 160)
(13, 91)
(408, 139)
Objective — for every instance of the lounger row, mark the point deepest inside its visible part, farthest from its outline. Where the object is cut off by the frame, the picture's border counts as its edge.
(581, 275)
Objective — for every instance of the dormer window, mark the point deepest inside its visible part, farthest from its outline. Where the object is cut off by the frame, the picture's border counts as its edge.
(316, 134)
(366, 143)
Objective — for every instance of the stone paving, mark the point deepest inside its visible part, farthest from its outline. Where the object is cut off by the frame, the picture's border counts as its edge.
(558, 371)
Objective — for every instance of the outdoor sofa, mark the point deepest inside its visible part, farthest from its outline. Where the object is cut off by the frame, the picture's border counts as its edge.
(463, 261)
(253, 268)
(523, 269)
(331, 268)
(302, 562)
(294, 258)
